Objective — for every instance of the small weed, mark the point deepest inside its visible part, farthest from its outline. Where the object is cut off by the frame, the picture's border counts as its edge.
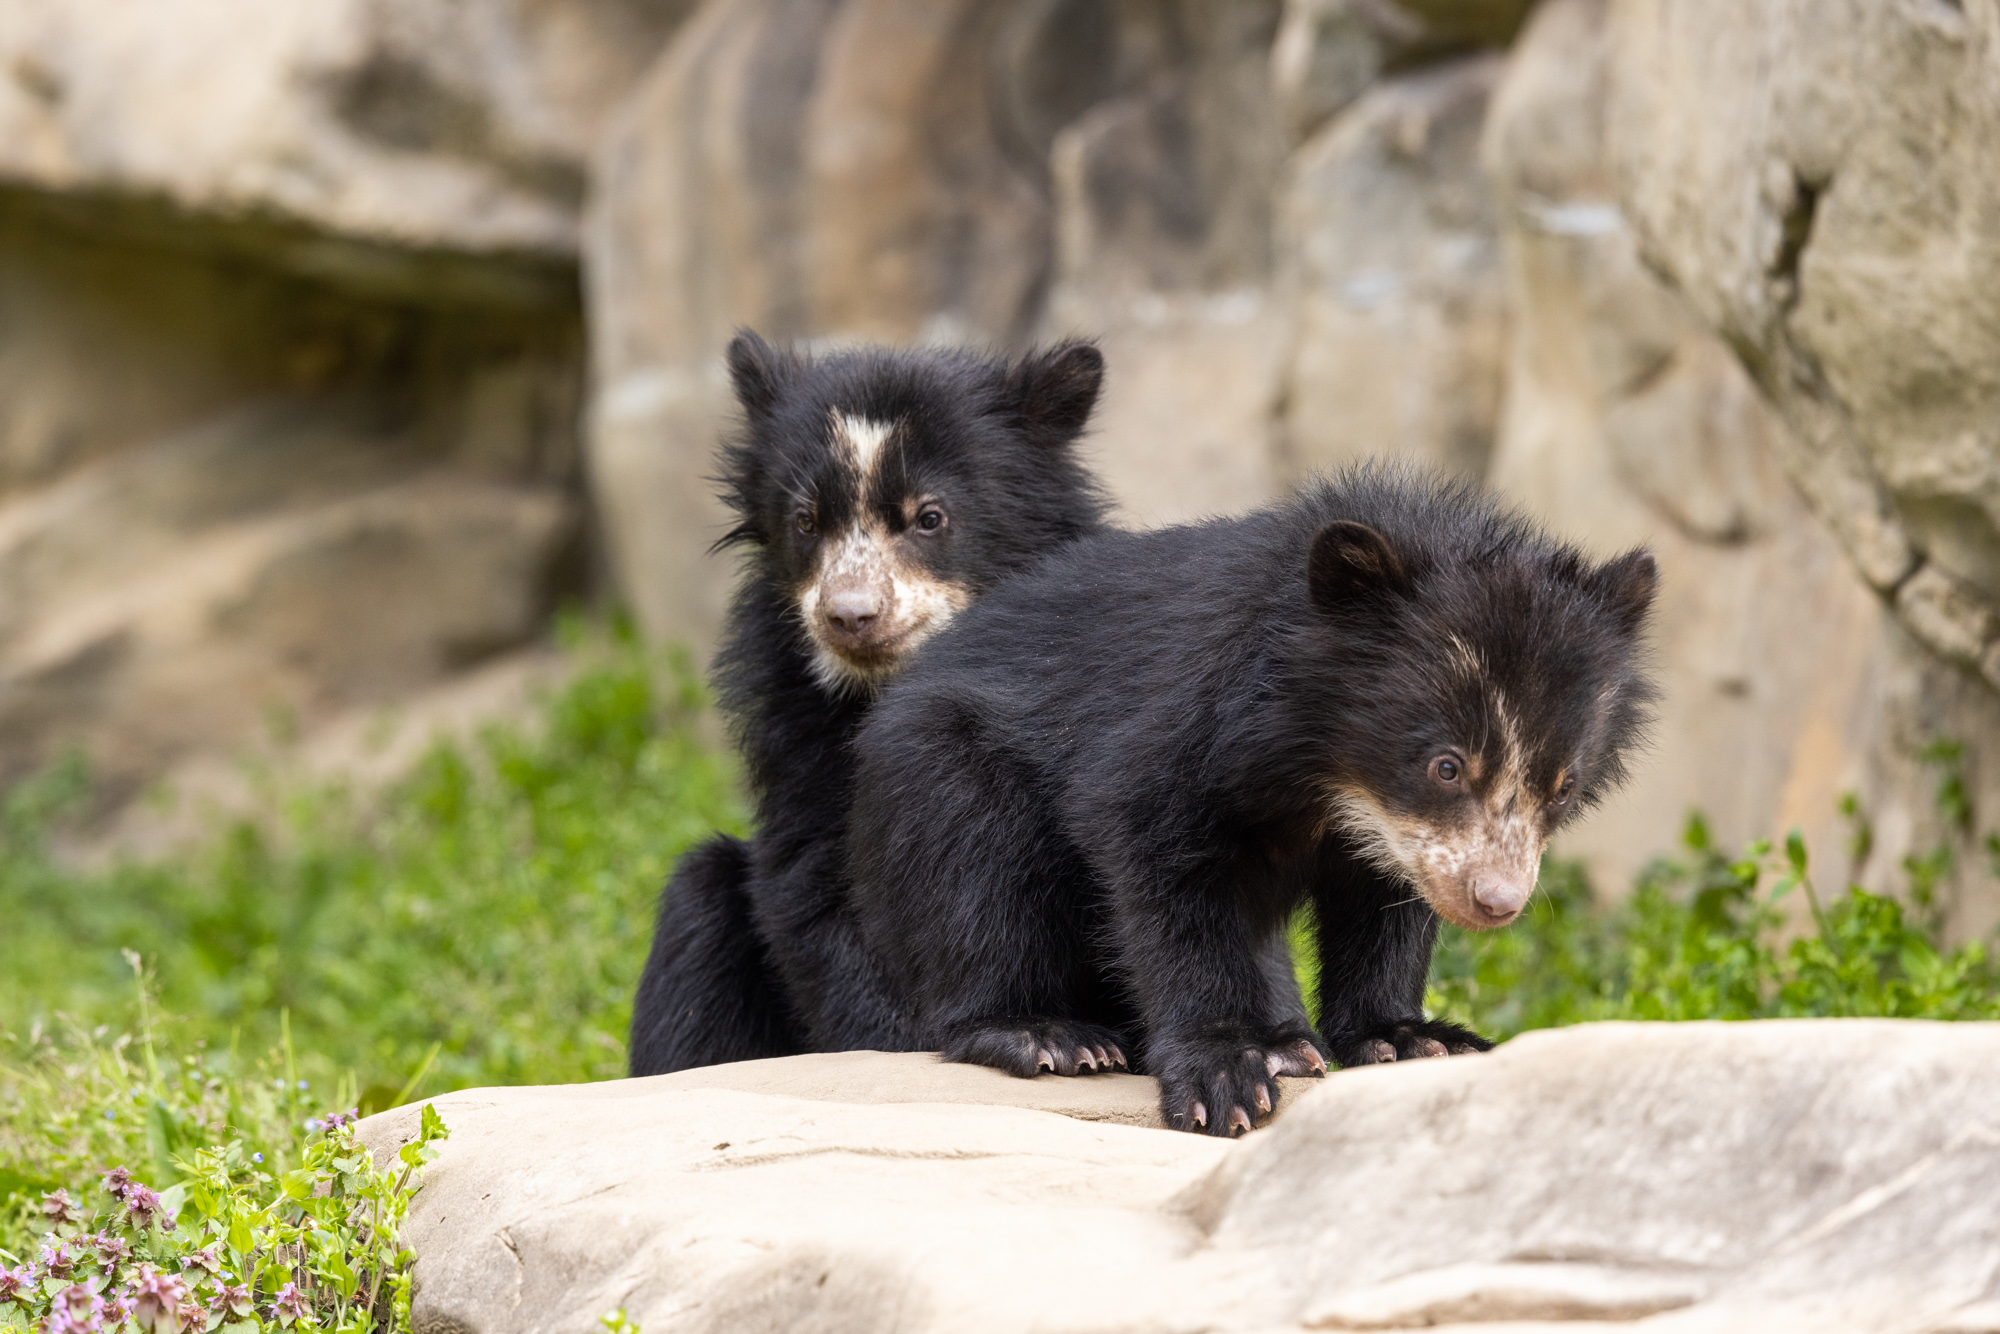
(240, 1244)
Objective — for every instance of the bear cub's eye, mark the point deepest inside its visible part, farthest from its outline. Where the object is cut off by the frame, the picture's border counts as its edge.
(803, 521)
(1564, 792)
(930, 519)
(1446, 771)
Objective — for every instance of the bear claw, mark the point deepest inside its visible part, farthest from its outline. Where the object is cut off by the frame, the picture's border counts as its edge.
(1301, 1058)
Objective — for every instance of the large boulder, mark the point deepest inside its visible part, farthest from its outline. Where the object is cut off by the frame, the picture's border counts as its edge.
(230, 495)
(290, 356)
(1826, 1175)
(1392, 265)
(1820, 181)
(1164, 251)
(1629, 419)
(1328, 51)
(422, 124)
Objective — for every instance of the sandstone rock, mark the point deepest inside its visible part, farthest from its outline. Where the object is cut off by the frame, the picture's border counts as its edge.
(1392, 261)
(1164, 251)
(1831, 1175)
(429, 124)
(1329, 51)
(142, 627)
(289, 355)
(228, 493)
(1459, 23)
(1627, 420)
(1827, 213)
(870, 169)
(1326, 54)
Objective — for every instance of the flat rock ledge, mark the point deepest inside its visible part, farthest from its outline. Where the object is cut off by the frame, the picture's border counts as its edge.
(1825, 1175)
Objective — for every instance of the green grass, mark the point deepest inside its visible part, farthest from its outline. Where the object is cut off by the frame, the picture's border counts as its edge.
(495, 906)
(485, 920)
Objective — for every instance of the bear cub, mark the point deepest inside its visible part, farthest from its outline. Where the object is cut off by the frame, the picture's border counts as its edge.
(1083, 818)
(877, 493)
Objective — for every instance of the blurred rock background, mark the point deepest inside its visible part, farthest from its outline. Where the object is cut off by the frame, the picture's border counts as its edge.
(341, 341)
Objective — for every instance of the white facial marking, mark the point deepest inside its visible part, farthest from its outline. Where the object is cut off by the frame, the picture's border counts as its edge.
(862, 439)
(913, 606)
(1446, 863)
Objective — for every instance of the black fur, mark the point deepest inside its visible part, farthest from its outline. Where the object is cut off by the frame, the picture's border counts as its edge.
(754, 954)
(1098, 798)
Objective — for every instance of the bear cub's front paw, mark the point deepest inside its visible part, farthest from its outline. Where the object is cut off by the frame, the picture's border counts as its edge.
(1225, 1083)
(1408, 1040)
(1042, 1046)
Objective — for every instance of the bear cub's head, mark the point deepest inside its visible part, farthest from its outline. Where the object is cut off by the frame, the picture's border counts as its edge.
(884, 489)
(1492, 682)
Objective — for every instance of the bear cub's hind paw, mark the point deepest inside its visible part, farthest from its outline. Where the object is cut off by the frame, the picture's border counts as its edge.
(1406, 1041)
(1224, 1084)
(1034, 1047)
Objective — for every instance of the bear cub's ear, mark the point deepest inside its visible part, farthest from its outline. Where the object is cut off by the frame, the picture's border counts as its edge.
(1628, 584)
(1054, 391)
(1350, 559)
(758, 371)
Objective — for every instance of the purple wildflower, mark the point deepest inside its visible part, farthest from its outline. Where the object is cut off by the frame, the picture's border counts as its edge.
(116, 1311)
(116, 1180)
(291, 1305)
(156, 1297)
(194, 1318)
(14, 1282)
(142, 1204)
(57, 1262)
(234, 1298)
(205, 1257)
(111, 1250)
(76, 1309)
(59, 1207)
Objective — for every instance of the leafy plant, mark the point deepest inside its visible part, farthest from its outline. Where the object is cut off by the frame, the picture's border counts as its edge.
(1704, 936)
(490, 912)
(232, 1247)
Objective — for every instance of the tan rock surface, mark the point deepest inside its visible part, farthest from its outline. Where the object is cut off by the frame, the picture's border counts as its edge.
(425, 124)
(1820, 180)
(229, 493)
(1328, 51)
(1830, 1175)
(1163, 199)
(1628, 420)
(1392, 264)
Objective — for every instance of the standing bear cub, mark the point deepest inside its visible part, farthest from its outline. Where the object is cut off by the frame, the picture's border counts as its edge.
(1083, 817)
(877, 492)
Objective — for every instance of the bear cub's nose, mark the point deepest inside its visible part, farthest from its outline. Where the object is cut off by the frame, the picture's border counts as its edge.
(1500, 897)
(852, 611)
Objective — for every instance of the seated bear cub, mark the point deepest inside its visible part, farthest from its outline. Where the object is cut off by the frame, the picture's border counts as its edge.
(1082, 818)
(877, 493)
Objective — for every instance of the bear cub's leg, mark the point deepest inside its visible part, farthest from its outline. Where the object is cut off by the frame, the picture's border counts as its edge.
(1375, 949)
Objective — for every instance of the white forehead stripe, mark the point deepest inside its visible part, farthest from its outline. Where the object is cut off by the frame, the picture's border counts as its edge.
(862, 439)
